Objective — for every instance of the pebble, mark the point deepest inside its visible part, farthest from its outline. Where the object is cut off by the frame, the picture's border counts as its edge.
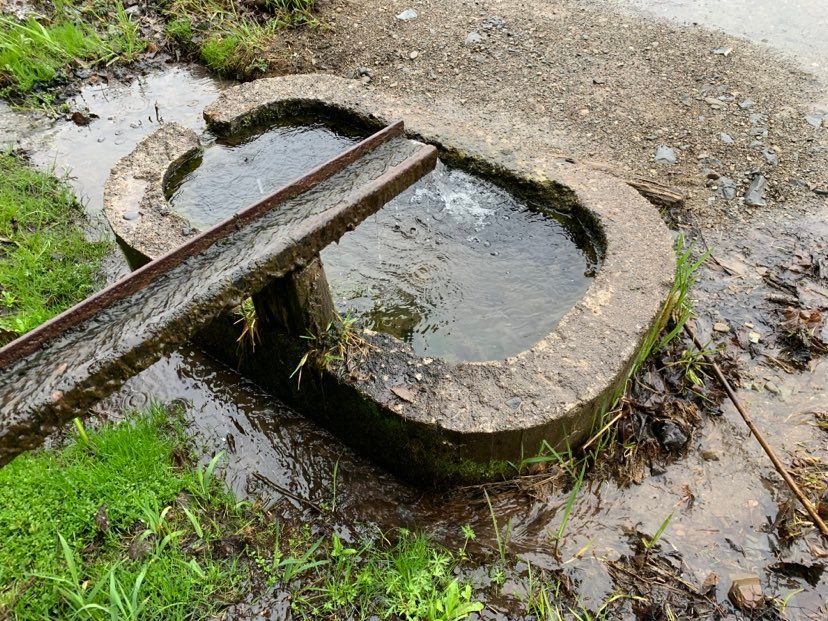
(770, 157)
(754, 195)
(746, 593)
(726, 138)
(746, 104)
(474, 38)
(754, 337)
(814, 121)
(413, 55)
(727, 188)
(715, 103)
(665, 155)
(407, 15)
(721, 326)
(709, 456)
(723, 51)
(771, 387)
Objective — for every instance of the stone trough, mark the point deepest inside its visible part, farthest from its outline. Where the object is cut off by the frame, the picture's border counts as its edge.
(425, 418)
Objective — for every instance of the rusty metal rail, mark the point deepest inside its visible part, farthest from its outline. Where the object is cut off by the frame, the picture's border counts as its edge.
(56, 371)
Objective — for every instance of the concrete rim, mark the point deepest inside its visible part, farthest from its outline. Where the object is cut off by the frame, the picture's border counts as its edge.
(552, 391)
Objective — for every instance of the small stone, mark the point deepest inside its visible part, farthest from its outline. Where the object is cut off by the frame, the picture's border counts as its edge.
(746, 104)
(363, 72)
(721, 326)
(814, 121)
(723, 51)
(771, 387)
(407, 15)
(709, 456)
(599, 81)
(727, 188)
(131, 214)
(474, 38)
(726, 138)
(770, 157)
(746, 593)
(665, 155)
(514, 402)
(715, 103)
(413, 55)
(754, 337)
(406, 394)
(754, 195)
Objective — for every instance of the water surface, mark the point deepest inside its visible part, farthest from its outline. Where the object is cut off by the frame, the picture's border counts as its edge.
(456, 266)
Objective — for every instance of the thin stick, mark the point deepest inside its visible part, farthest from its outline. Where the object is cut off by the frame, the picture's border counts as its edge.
(780, 467)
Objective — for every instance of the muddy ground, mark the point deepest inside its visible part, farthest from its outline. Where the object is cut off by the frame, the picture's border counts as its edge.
(604, 86)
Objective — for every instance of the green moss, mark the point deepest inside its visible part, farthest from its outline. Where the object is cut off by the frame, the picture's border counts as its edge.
(46, 262)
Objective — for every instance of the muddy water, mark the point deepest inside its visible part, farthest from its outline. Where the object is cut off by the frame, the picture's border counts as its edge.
(126, 113)
(456, 266)
(724, 530)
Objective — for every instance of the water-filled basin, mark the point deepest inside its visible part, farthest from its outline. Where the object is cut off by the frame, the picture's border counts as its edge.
(456, 266)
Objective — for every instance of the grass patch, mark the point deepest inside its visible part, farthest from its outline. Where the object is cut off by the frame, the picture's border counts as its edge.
(120, 524)
(46, 262)
(410, 579)
(232, 38)
(110, 523)
(40, 49)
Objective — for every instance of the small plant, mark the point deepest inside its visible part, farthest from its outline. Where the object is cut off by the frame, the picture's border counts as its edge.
(204, 476)
(250, 332)
(331, 506)
(570, 503)
(468, 535)
(330, 346)
(499, 571)
(650, 543)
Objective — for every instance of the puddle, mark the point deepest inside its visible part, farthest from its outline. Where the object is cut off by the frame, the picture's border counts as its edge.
(456, 266)
(797, 27)
(127, 113)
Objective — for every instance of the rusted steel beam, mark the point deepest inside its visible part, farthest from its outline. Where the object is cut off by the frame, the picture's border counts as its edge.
(28, 343)
(90, 352)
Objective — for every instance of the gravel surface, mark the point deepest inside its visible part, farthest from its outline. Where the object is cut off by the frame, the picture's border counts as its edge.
(597, 85)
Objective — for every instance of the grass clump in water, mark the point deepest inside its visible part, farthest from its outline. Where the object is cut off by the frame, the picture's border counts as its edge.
(46, 262)
(39, 49)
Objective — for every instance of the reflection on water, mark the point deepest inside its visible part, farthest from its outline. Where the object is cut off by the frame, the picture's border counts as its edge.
(239, 171)
(456, 266)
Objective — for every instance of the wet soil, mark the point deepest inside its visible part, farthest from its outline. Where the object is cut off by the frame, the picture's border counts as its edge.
(594, 85)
